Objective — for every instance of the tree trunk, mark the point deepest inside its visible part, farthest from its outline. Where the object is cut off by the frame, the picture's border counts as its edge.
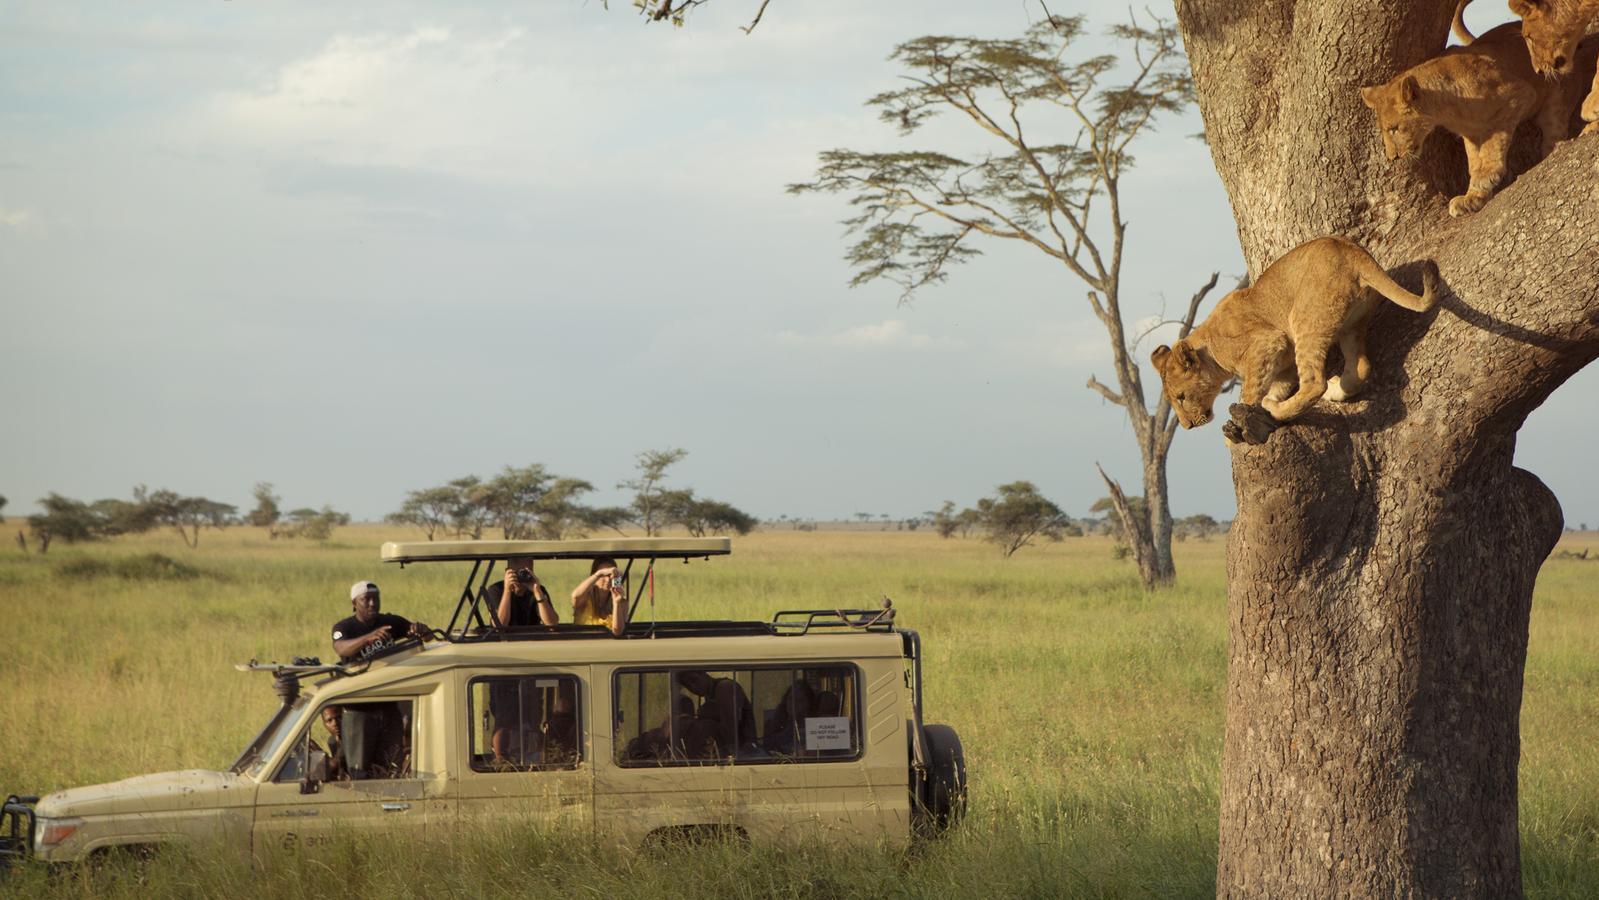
(1381, 566)
(1157, 505)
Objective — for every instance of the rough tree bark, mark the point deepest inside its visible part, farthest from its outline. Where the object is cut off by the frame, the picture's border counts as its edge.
(1381, 566)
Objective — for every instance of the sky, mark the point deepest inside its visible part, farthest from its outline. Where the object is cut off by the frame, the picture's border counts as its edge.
(355, 252)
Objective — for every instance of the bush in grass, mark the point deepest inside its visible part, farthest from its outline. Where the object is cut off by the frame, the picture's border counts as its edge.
(145, 567)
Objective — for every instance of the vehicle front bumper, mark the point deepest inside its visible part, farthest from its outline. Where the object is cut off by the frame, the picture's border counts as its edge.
(17, 824)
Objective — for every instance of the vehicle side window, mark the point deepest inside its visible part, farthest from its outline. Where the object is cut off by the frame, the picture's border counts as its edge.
(743, 716)
(373, 743)
(526, 723)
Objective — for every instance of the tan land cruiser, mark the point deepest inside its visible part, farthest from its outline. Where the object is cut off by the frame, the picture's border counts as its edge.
(803, 727)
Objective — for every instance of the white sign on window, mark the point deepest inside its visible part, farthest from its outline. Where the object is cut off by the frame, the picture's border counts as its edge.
(827, 733)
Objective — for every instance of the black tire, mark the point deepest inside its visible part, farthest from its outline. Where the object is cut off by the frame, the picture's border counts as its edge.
(943, 790)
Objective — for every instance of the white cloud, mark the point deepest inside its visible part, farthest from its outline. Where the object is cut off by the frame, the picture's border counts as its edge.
(425, 99)
(15, 218)
(1059, 345)
(888, 334)
(530, 106)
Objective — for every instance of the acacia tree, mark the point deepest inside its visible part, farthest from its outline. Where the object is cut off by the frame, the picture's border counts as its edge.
(64, 518)
(186, 515)
(467, 517)
(510, 498)
(1382, 561)
(1018, 515)
(920, 211)
(267, 511)
(646, 488)
(430, 509)
(557, 514)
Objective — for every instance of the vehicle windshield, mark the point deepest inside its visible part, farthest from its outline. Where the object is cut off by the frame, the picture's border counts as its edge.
(280, 729)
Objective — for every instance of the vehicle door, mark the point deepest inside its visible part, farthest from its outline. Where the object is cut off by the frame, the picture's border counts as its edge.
(794, 768)
(383, 773)
(527, 748)
(666, 768)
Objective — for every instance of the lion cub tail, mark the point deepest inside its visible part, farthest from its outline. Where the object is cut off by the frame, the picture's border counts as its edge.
(1373, 276)
(1460, 29)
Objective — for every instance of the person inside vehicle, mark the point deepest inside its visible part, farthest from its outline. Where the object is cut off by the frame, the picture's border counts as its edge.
(599, 599)
(679, 736)
(519, 598)
(725, 709)
(826, 704)
(560, 731)
(331, 720)
(782, 724)
(371, 630)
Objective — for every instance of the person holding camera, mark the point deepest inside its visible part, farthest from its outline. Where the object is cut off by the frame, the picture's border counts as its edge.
(599, 600)
(515, 599)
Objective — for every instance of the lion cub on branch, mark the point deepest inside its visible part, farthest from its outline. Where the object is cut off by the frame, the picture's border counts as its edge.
(1480, 92)
(1276, 334)
(1552, 29)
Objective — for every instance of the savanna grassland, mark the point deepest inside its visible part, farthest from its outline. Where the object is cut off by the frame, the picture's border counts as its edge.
(1091, 712)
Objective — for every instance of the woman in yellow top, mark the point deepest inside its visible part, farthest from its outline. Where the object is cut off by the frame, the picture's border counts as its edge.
(599, 599)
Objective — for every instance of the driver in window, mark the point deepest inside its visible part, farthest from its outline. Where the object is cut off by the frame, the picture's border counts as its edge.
(331, 720)
(370, 630)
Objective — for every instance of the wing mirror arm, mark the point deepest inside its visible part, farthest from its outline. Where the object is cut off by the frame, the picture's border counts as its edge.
(316, 772)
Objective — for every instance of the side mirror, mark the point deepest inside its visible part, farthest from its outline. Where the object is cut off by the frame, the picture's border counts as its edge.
(316, 772)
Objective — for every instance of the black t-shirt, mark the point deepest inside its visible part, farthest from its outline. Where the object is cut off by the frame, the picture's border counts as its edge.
(351, 627)
(522, 612)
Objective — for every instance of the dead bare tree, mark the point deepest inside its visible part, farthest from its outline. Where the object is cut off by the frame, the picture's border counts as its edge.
(1382, 562)
(677, 12)
(919, 211)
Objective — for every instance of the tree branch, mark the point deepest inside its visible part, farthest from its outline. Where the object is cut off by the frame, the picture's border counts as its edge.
(757, 20)
(1124, 511)
(1107, 393)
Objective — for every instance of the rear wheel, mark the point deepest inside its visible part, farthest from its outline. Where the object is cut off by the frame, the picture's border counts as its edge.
(941, 793)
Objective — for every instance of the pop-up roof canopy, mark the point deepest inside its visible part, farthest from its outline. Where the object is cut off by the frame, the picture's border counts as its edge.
(617, 548)
(471, 609)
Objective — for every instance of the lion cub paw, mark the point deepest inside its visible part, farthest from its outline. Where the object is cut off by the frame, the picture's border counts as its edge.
(1466, 204)
(1337, 392)
(1248, 424)
(1591, 127)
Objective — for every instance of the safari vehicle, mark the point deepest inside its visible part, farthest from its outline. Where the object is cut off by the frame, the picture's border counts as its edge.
(563, 725)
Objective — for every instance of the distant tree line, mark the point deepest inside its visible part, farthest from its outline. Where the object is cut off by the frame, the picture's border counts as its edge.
(1018, 515)
(531, 502)
(72, 521)
(304, 522)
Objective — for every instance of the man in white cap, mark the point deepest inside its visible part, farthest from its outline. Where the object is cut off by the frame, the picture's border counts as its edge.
(370, 630)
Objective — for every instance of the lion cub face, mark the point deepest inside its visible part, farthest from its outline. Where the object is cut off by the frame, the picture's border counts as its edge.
(1552, 29)
(1187, 382)
(1399, 117)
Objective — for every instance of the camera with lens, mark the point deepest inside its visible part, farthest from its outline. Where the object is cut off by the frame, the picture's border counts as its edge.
(523, 576)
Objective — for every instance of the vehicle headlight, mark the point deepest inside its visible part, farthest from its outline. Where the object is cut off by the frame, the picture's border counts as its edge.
(50, 832)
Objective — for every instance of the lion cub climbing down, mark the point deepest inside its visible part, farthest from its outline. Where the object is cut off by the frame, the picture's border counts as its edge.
(1276, 334)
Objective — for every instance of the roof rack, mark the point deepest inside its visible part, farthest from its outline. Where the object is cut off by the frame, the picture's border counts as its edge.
(790, 622)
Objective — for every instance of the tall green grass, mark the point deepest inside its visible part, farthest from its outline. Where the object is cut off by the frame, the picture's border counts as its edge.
(1091, 712)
